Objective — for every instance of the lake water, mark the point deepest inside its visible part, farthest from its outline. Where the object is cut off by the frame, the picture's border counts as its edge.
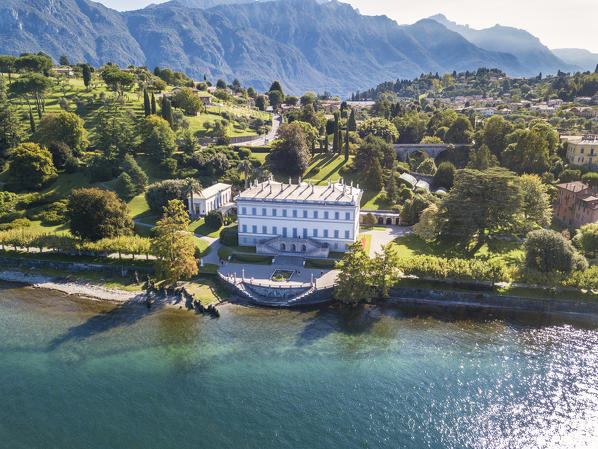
(80, 374)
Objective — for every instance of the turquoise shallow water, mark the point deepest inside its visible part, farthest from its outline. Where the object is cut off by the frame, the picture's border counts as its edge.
(79, 374)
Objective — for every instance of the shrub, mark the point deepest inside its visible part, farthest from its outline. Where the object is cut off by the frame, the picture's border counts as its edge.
(427, 167)
(548, 251)
(15, 224)
(230, 236)
(214, 219)
(570, 175)
(224, 253)
(445, 175)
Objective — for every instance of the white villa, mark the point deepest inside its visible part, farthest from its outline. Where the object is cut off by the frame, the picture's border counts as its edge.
(298, 218)
(212, 198)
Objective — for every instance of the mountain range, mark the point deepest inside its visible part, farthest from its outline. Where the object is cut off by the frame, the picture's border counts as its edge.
(306, 44)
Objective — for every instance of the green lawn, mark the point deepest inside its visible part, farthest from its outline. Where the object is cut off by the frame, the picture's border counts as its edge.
(323, 167)
(510, 252)
(200, 227)
(374, 201)
(206, 290)
(368, 242)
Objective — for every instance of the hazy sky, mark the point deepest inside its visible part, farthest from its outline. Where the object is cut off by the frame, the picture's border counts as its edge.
(557, 23)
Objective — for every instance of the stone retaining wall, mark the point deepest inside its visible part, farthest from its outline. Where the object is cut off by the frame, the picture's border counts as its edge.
(122, 270)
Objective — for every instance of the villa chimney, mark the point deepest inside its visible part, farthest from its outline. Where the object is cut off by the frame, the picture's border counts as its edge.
(329, 183)
(309, 182)
(290, 181)
(299, 180)
(313, 188)
(281, 187)
(270, 188)
(351, 183)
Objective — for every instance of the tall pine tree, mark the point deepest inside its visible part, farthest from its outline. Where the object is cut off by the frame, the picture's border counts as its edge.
(86, 75)
(146, 103)
(352, 124)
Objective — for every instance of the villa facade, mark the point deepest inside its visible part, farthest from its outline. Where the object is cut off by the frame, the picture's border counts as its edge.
(213, 198)
(300, 218)
(583, 151)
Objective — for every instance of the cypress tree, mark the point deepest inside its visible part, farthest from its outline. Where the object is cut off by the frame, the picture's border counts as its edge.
(146, 103)
(154, 110)
(86, 75)
(335, 141)
(596, 69)
(31, 122)
(375, 181)
(352, 124)
(347, 145)
(167, 111)
(325, 142)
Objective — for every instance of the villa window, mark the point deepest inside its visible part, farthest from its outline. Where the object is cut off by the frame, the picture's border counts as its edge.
(244, 210)
(336, 233)
(264, 212)
(244, 228)
(315, 232)
(274, 230)
(315, 214)
(284, 232)
(264, 229)
(326, 233)
(346, 234)
(304, 214)
(326, 215)
(294, 233)
(336, 215)
(294, 214)
(284, 212)
(254, 229)
(274, 212)
(348, 216)
(304, 233)
(253, 211)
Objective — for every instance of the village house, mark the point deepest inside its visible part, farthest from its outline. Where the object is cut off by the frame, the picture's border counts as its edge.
(68, 71)
(576, 204)
(216, 197)
(583, 150)
(299, 219)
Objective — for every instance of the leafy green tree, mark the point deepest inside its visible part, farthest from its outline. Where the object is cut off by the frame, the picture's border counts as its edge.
(251, 92)
(549, 251)
(147, 107)
(124, 186)
(34, 63)
(214, 220)
(8, 65)
(586, 238)
(65, 127)
(311, 133)
(415, 205)
(116, 134)
(384, 273)
(159, 194)
(290, 154)
(428, 227)
(431, 140)
(309, 98)
(309, 115)
(261, 102)
(276, 87)
(189, 142)
(86, 73)
(537, 209)
(370, 220)
(427, 167)
(482, 204)
(481, 158)
(117, 80)
(371, 148)
(353, 282)
(379, 127)
(33, 86)
(530, 154)
(186, 100)
(173, 244)
(495, 135)
(445, 175)
(460, 131)
(590, 178)
(411, 127)
(95, 214)
(154, 110)
(276, 98)
(31, 166)
(135, 172)
(158, 139)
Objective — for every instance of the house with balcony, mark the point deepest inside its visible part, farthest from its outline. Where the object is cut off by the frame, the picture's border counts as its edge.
(576, 204)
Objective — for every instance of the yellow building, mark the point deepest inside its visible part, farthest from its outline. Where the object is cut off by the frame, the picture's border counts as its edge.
(583, 151)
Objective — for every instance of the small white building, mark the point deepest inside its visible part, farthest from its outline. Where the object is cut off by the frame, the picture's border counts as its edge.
(301, 219)
(212, 198)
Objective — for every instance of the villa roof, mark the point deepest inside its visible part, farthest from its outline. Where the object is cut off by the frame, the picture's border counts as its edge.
(575, 186)
(303, 192)
(213, 190)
